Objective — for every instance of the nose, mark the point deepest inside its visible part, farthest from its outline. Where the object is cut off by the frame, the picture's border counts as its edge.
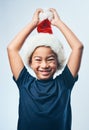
(44, 64)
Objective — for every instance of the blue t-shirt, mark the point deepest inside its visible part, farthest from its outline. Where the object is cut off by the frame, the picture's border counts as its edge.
(45, 104)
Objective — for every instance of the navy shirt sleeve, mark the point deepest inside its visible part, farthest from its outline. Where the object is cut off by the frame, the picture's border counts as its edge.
(23, 78)
(68, 78)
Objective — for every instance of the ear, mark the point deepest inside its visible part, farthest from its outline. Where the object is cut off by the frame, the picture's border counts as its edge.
(30, 64)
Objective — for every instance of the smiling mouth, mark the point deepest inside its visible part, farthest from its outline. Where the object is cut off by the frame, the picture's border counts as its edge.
(45, 72)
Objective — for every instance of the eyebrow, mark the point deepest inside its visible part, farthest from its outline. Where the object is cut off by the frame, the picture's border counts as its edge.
(37, 56)
(52, 55)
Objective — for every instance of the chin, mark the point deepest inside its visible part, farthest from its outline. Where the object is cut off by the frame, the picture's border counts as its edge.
(44, 77)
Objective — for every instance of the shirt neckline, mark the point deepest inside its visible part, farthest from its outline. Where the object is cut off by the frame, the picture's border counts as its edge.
(44, 81)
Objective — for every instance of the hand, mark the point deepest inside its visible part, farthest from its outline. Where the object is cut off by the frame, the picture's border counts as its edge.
(56, 17)
(35, 19)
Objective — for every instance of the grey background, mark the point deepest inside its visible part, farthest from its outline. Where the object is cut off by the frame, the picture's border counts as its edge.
(14, 15)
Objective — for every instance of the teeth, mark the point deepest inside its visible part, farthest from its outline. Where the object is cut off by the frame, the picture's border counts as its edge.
(46, 70)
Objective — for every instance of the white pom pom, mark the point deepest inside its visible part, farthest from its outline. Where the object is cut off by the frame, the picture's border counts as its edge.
(46, 14)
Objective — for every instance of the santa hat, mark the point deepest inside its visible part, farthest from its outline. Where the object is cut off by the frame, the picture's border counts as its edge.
(44, 37)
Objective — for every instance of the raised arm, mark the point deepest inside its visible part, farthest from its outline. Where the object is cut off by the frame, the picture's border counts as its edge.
(14, 47)
(75, 44)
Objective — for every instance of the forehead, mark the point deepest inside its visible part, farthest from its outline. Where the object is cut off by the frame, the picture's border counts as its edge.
(43, 50)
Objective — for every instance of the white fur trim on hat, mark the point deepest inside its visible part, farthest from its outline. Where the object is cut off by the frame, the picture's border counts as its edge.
(46, 14)
(42, 39)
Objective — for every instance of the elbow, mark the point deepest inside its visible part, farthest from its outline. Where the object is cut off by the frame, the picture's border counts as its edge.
(80, 49)
(9, 48)
(80, 46)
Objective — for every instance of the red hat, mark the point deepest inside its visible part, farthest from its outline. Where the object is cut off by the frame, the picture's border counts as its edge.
(44, 27)
(44, 37)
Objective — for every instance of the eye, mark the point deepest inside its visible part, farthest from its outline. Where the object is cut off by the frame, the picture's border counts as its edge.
(51, 59)
(37, 59)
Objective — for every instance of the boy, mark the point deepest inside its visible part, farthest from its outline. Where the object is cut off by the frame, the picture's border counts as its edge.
(45, 101)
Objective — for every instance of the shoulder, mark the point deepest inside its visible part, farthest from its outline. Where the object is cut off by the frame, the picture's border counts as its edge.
(66, 78)
(23, 77)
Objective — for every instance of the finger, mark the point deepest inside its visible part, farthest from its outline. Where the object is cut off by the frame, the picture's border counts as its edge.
(39, 10)
(52, 10)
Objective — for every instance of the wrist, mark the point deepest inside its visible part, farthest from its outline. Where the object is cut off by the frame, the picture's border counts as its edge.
(33, 24)
(58, 23)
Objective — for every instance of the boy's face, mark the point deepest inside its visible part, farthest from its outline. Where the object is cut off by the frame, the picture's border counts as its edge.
(44, 63)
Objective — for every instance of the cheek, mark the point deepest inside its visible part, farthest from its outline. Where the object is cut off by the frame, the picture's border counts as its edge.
(54, 65)
(34, 65)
